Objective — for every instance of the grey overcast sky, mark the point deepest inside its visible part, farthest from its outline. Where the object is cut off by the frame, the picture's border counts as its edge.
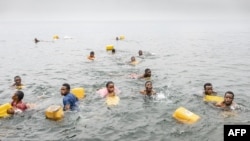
(124, 9)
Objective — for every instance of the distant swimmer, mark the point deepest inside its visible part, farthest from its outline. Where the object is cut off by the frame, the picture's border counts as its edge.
(227, 104)
(140, 52)
(18, 83)
(111, 97)
(133, 61)
(208, 89)
(148, 91)
(113, 51)
(117, 38)
(147, 74)
(36, 40)
(91, 55)
(70, 101)
(110, 88)
(18, 106)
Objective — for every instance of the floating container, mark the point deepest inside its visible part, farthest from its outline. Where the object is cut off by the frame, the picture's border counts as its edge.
(112, 101)
(55, 37)
(212, 98)
(185, 116)
(20, 87)
(79, 92)
(134, 63)
(122, 37)
(54, 112)
(109, 47)
(3, 110)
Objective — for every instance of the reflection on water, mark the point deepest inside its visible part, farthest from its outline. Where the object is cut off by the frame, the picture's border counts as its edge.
(181, 60)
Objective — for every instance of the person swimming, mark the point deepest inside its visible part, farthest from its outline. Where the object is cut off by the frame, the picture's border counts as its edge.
(110, 90)
(18, 106)
(91, 55)
(147, 74)
(227, 104)
(113, 51)
(148, 91)
(70, 101)
(140, 52)
(133, 61)
(111, 98)
(36, 40)
(18, 83)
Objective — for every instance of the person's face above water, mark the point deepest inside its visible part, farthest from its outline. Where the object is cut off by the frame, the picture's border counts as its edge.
(18, 81)
(92, 55)
(132, 59)
(64, 90)
(148, 73)
(14, 97)
(228, 98)
(149, 86)
(111, 88)
(208, 90)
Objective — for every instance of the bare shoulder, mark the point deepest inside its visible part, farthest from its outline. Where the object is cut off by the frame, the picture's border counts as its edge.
(219, 104)
(143, 92)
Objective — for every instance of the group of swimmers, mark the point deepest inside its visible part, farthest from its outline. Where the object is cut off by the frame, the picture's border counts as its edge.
(70, 101)
(228, 102)
(132, 61)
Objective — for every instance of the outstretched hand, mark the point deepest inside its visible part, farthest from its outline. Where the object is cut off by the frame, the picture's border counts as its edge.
(31, 105)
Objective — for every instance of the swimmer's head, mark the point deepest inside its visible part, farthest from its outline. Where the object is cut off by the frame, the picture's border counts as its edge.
(148, 85)
(132, 59)
(110, 86)
(228, 98)
(147, 72)
(18, 96)
(113, 50)
(208, 88)
(17, 80)
(140, 52)
(92, 54)
(65, 89)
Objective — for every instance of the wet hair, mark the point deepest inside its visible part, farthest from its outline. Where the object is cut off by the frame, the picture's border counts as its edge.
(147, 69)
(147, 82)
(229, 92)
(109, 82)
(36, 40)
(17, 77)
(145, 74)
(66, 85)
(20, 94)
(132, 58)
(92, 52)
(113, 50)
(207, 84)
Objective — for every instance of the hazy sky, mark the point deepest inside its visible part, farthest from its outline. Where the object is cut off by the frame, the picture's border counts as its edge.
(123, 9)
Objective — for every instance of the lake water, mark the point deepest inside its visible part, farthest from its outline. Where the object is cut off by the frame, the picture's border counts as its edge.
(183, 55)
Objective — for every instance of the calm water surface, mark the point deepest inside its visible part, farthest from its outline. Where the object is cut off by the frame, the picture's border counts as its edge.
(182, 56)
